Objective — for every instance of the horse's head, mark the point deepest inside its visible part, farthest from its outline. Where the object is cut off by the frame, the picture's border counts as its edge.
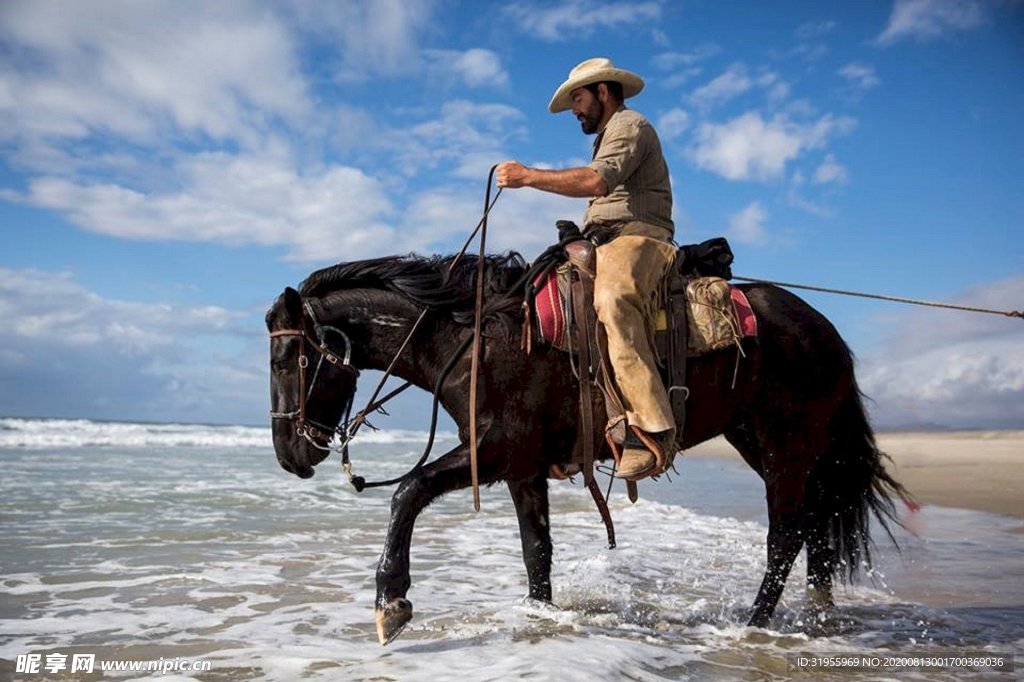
(312, 382)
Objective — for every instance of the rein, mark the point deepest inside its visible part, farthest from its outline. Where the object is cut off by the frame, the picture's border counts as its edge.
(347, 431)
(542, 264)
(349, 427)
(474, 372)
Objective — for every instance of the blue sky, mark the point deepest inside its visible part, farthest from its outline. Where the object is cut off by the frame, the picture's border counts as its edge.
(168, 167)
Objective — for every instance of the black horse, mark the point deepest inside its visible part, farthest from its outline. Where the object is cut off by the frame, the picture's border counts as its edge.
(794, 412)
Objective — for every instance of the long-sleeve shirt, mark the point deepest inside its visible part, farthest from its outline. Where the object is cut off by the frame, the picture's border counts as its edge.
(628, 156)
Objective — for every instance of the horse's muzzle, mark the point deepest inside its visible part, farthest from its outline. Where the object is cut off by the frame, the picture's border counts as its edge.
(305, 471)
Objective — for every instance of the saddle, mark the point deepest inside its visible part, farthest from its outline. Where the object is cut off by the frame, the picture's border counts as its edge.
(700, 313)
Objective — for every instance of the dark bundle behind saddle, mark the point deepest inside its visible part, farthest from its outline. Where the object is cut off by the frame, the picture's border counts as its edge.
(712, 258)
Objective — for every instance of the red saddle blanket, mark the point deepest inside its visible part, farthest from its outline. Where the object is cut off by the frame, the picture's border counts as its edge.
(550, 308)
(552, 321)
(744, 313)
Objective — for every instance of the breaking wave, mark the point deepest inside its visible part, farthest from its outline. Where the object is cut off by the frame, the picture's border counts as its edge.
(81, 433)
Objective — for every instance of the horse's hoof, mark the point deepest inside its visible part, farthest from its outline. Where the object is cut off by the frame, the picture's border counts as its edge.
(392, 619)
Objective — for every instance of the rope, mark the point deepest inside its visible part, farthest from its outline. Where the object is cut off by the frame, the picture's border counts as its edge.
(896, 299)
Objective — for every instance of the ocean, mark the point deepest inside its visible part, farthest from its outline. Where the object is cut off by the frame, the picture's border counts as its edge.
(177, 546)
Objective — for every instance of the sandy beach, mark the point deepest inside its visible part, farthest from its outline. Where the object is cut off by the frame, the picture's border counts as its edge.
(979, 470)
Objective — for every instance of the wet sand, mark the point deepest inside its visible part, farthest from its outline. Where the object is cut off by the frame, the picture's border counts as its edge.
(979, 470)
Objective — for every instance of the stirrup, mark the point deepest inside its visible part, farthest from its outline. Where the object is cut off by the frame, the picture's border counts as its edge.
(637, 438)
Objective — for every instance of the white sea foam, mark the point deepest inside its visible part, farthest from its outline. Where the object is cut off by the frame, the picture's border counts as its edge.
(83, 433)
(137, 555)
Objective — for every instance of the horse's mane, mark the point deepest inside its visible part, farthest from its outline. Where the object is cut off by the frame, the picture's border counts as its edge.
(426, 281)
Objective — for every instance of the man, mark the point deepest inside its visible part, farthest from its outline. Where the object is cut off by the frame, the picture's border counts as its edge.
(630, 218)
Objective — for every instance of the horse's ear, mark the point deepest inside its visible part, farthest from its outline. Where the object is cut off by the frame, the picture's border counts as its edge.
(293, 303)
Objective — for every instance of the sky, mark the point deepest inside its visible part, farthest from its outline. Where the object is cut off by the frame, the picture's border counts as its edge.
(168, 167)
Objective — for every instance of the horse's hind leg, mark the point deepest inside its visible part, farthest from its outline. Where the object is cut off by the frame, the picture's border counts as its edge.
(785, 539)
(821, 564)
(784, 489)
(531, 500)
(785, 471)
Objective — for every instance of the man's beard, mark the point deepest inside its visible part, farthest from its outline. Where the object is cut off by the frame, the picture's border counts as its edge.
(590, 119)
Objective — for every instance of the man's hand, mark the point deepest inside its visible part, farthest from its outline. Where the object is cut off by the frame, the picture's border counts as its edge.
(571, 182)
(512, 174)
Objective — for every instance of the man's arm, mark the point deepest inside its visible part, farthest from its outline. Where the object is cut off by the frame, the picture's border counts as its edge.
(571, 182)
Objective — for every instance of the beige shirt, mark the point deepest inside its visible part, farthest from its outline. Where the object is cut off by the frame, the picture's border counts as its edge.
(627, 154)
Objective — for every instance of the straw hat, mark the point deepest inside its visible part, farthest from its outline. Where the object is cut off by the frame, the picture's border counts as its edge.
(594, 71)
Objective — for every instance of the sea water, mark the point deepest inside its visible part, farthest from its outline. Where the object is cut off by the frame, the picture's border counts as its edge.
(141, 542)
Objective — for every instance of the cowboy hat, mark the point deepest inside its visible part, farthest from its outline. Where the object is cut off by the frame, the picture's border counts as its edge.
(594, 70)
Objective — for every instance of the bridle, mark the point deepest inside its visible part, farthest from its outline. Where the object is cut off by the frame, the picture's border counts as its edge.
(347, 428)
(305, 427)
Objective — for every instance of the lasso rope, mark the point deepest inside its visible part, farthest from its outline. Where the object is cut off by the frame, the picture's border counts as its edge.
(896, 299)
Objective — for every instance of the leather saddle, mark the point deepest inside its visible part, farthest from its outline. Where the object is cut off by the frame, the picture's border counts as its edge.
(560, 312)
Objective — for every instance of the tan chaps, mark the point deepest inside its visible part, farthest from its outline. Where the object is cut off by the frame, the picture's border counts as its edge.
(629, 271)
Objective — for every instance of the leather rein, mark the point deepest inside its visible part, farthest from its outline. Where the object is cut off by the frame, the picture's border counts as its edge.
(347, 429)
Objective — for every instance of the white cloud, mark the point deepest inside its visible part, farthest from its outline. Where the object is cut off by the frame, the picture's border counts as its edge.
(464, 136)
(778, 90)
(796, 200)
(811, 42)
(672, 60)
(673, 123)
(475, 68)
(333, 212)
(371, 37)
(860, 75)
(469, 135)
(575, 19)
(830, 171)
(815, 29)
(957, 369)
(859, 79)
(930, 19)
(526, 219)
(735, 81)
(523, 219)
(53, 306)
(110, 358)
(140, 70)
(681, 67)
(747, 226)
(434, 219)
(751, 148)
(680, 78)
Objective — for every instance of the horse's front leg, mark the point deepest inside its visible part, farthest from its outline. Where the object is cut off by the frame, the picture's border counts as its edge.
(531, 499)
(445, 474)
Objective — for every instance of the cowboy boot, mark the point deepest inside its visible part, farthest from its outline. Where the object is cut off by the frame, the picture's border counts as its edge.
(644, 454)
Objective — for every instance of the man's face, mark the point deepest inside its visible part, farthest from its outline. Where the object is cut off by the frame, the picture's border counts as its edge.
(587, 108)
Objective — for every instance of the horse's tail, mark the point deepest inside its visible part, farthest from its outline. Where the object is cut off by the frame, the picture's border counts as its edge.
(850, 484)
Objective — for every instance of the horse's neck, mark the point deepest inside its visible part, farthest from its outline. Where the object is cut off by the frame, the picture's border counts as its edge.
(384, 320)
